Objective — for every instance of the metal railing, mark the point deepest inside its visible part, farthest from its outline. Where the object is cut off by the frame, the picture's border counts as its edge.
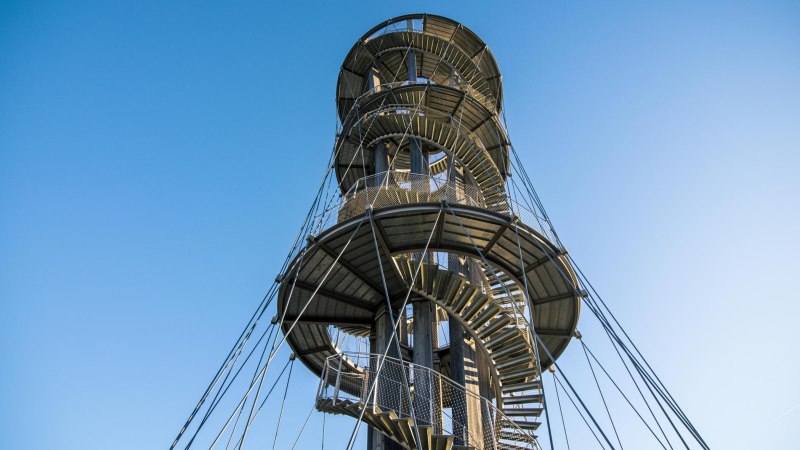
(436, 401)
(393, 188)
(457, 83)
(398, 188)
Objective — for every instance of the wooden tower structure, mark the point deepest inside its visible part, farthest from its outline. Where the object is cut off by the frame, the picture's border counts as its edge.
(427, 300)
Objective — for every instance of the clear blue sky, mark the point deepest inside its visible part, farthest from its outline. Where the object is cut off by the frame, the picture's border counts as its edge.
(157, 158)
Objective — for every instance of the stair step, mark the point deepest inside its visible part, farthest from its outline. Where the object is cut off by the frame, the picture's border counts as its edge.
(442, 283)
(490, 311)
(504, 297)
(453, 288)
(521, 399)
(515, 436)
(517, 387)
(389, 426)
(517, 412)
(501, 337)
(525, 358)
(475, 306)
(518, 345)
(466, 295)
(426, 436)
(494, 327)
(431, 271)
(526, 425)
(517, 374)
(442, 442)
(406, 425)
(355, 410)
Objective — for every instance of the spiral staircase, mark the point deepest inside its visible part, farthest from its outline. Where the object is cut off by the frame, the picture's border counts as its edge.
(423, 216)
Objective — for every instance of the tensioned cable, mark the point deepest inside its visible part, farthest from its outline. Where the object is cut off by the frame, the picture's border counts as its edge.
(668, 396)
(322, 446)
(418, 106)
(636, 384)
(605, 324)
(255, 373)
(537, 339)
(561, 410)
(579, 411)
(305, 224)
(586, 347)
(266, 397)
(643, 375)
(419, 103)
(224, 389)
(356, 105)
(536, 350)
(288, 332)
(253, 407)
(602, 396)
(393, 336)
(670, 401)
(649, 383)
(303, 428)
(236, 349)
(283, 402)
(394, 329)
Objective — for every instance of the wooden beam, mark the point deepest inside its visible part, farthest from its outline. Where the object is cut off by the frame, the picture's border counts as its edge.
(313, 350)
(553, 298)
(540, 263)
(351, 71)
(350, 268)
(479, 51)
(547, 332)
(380, 235)
(458, 103)
(323, 320)
(495, 238)
(352, 301)
(480, 124)
(437, 233)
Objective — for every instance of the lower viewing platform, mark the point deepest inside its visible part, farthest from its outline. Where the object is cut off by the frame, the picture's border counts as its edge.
(390, 395)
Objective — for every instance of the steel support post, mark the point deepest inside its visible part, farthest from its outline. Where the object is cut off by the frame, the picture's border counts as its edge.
(386, 396)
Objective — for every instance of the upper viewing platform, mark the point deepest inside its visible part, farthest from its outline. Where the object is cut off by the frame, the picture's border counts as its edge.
(421, 93)
(445, 52)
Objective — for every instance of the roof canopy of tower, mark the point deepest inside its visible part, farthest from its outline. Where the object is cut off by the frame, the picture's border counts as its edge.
(439, 44)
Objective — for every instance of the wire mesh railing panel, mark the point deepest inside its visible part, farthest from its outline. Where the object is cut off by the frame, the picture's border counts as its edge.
(394, 188)
(409, 391)
(398, 188)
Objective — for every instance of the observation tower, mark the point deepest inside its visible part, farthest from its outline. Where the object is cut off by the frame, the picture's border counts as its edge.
(426, 299)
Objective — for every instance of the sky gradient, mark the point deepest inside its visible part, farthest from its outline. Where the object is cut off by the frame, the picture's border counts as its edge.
(156, 161)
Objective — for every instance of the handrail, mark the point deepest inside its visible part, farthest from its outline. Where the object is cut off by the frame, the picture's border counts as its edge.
(460, 84)
(396, 187)
(357, 114)
(438, 401)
